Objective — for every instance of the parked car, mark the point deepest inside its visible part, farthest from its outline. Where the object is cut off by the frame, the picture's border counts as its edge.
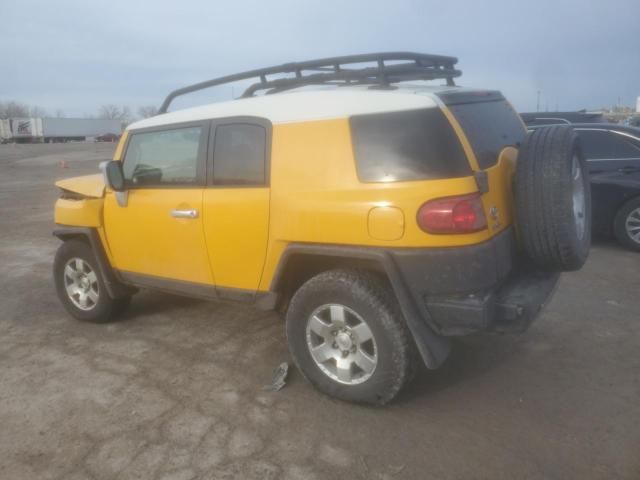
(108, 137)
(537, 119)
(613, 155)
(378, 217)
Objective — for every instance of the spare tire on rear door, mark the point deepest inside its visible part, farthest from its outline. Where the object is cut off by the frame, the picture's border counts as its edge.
(553, 199)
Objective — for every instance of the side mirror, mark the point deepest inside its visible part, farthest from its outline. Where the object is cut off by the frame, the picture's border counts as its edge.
(115, 176)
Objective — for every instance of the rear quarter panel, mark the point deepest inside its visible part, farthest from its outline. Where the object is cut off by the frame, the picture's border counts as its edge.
(316, 196)
(498, 201)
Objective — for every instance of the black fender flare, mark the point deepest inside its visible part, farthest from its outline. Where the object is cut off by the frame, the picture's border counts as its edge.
(434, 349)
(115, 288)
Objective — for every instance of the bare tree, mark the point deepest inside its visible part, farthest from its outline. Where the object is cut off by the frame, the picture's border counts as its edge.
(114, 112)
(147, 111)
(126, 117)
(109, 111)
(13, 109)
(37, 111)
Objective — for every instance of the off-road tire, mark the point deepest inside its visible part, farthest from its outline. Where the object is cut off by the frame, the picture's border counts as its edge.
(371, 298)
(105, 308)
(619, 224)
(544, 191)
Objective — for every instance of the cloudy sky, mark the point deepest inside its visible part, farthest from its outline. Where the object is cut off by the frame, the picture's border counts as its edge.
(77, 55)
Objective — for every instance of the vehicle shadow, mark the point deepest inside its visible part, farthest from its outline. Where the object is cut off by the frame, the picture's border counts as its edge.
(607, 243)
(146, 303)
(471, 357)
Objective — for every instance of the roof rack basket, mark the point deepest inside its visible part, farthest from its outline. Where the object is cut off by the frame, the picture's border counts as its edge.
(388, 68)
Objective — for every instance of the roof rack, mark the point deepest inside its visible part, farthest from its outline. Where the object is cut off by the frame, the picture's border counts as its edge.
(336, 71)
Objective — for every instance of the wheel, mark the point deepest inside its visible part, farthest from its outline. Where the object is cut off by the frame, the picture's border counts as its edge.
(348, 337)
(80, 287)
(626, 226)
(553, 199)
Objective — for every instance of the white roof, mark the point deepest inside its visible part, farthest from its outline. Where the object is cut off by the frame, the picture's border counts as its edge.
(307, 105)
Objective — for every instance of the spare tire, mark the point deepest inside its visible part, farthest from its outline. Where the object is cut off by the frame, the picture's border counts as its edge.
(553, 199)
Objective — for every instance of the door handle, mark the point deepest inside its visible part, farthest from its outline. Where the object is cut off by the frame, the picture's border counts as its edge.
(184, 213)
(627, 169)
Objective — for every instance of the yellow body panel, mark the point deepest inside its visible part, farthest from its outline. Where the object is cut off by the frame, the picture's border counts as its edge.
(87, 185)
(79, 213)
(117, 155)
(144, 238)
(236, 227)
(317, 197)
(314, 196)
(386, 223)
(497, 201)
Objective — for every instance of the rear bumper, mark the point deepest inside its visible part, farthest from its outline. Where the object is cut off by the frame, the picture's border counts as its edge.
(478, 288)
(510, 307)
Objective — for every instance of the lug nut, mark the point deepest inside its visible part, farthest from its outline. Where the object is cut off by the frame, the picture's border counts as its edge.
(334, 345)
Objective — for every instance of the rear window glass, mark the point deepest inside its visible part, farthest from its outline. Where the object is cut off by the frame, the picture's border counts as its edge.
(407, 145)
(239, 155)
(489, 127)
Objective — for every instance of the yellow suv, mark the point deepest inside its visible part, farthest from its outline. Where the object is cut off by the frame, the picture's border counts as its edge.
(375, 210)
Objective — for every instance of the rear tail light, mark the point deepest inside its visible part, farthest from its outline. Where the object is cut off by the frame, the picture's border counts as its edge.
(463, 214)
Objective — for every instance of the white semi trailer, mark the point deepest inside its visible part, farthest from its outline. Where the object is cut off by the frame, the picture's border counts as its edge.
(62, 129)
(26, 129)
(5, 130)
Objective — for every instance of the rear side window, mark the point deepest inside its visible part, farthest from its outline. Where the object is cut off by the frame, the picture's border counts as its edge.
(489, 127)
(407, 145)
(239, 155)
(599, 145)
(167, 157)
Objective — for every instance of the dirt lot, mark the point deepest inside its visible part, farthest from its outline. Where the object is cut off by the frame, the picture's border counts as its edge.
(174, 390)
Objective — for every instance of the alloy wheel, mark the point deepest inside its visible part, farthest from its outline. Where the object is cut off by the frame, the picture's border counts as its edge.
(341, 344)
(579, 204)
(632, 225)
(81, 284)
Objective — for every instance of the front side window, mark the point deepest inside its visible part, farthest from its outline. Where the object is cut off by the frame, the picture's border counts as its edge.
(167, 157)
(239, 156)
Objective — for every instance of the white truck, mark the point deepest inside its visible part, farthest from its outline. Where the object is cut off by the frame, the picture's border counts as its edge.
(50, 130)
(5, 130)
(26, 129)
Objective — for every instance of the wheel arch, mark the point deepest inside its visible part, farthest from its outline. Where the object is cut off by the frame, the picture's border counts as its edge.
(300, 262)
(115, 287)
(622, 203)
(616, 217)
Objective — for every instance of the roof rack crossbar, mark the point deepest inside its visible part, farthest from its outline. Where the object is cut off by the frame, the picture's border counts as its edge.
(414, 66)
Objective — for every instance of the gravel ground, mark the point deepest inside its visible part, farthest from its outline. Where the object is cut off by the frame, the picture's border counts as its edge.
(174, 390)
